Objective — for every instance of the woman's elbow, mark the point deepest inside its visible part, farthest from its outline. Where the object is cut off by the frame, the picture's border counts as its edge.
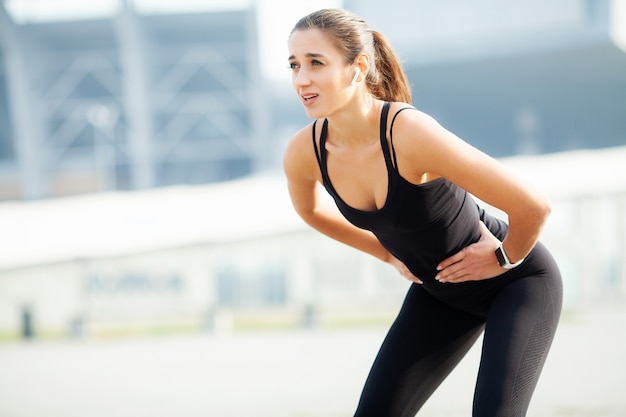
(541, 210)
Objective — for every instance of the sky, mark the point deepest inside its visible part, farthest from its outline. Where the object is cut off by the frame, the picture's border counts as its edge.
(275, 18)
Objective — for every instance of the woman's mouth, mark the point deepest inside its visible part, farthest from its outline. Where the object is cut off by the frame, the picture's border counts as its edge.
(309, 98)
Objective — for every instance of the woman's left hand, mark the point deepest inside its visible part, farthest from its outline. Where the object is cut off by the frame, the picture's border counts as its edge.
(474, 262)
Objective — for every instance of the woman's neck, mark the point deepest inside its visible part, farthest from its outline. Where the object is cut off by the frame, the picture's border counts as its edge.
(356, 125)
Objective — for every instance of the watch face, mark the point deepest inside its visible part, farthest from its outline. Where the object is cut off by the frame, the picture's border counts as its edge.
(500, 256)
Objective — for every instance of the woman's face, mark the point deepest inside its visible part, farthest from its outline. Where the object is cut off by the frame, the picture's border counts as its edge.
(320, 75)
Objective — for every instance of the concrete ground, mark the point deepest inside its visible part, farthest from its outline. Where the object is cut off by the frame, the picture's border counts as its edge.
(308, 373)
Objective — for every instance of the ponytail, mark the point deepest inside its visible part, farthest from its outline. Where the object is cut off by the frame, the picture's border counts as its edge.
(389, 81)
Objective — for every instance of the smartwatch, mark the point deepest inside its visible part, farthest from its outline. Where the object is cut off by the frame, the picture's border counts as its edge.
(503, 260)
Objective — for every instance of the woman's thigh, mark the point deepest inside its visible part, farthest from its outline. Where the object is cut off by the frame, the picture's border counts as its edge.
(520, 328)
(424, 344)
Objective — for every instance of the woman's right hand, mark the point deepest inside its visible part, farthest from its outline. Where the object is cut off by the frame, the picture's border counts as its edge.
(404, 271)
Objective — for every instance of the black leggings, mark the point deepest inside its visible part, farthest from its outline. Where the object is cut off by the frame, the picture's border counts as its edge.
(429, 338)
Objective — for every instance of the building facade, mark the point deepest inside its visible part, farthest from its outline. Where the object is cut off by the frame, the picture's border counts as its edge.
(128, 101)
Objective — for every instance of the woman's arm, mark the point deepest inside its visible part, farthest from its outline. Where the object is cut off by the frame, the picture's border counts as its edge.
(303, 180)
(423, 146)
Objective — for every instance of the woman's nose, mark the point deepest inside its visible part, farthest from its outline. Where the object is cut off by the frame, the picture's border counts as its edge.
(301, 78)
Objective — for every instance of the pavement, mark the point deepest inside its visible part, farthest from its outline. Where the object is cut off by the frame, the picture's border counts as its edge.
(304, 373)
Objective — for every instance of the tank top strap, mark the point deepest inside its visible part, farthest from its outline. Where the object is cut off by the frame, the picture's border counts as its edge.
(320, 151)
(393, 151)
(317, 152)
(383, 135)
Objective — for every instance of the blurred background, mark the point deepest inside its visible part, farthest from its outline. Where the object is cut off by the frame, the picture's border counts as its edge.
(151, 262)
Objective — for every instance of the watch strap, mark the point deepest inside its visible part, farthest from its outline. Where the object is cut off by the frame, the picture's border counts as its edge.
(503, 259)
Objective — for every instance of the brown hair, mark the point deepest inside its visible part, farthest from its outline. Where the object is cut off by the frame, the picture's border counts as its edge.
(386, 79)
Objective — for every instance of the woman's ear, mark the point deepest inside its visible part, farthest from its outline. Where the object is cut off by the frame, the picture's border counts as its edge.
(362, 62)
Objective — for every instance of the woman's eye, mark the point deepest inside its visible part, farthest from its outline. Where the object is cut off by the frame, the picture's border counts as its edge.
(292, 66)
(315, 63)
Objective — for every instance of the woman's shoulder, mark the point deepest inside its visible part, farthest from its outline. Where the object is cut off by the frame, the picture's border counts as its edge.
(420, 141)
(302, 140)
(299, 154)
(408, 124)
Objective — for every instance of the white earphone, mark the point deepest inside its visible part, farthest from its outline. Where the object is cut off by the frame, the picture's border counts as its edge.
(357, 71)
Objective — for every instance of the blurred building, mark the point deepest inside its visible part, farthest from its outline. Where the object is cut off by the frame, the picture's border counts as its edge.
(128, 101)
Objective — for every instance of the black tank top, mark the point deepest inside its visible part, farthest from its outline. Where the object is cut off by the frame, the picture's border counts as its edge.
(419, 224)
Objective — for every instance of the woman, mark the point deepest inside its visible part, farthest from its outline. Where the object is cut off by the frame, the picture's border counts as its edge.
(401, 182)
